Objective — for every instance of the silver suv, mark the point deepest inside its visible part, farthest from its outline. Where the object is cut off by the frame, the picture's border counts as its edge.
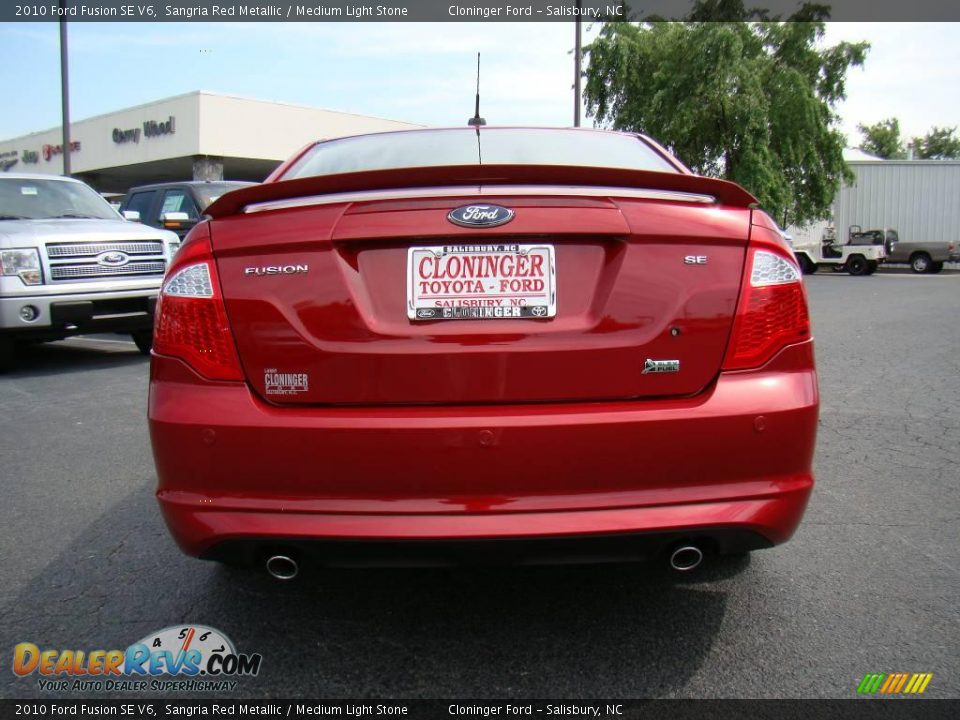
(70, 264)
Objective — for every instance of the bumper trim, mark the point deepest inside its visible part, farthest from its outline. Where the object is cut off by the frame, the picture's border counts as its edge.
(561, 549)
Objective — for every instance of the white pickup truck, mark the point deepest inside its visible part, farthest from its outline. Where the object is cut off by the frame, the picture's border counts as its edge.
(70, 264)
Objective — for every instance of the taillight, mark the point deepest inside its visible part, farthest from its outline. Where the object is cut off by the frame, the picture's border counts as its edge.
(772, 311)
(191, 322)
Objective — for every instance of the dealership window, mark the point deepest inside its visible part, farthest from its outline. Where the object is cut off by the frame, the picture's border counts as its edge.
(179, 201)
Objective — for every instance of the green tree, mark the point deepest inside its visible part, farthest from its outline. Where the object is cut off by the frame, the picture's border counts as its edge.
(883, 139)
(751, 102)
(938, 144)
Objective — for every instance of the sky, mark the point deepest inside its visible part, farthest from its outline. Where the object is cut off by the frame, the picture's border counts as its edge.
(421, 73)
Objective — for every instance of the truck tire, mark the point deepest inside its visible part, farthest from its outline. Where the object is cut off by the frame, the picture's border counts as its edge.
(857, 265)
(143, 340)
(8, 354)
(935, 267)
(920, 262)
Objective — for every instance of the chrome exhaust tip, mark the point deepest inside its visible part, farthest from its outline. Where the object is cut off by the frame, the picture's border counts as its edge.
(686, 558)
(282, 567)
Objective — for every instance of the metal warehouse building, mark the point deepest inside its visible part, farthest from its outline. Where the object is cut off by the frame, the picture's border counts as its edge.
(920, 199)
(199, 136)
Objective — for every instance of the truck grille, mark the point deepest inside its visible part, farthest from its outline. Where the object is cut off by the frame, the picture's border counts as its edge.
(91, 261)
(73, 250)
(72, 272)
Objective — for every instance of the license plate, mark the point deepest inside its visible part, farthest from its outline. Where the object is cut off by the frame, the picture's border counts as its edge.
(481, 282)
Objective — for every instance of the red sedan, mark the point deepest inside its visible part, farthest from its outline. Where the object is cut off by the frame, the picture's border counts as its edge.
(517, 344)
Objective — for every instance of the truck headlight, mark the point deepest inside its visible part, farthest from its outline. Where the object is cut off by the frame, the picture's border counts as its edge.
(22, 262)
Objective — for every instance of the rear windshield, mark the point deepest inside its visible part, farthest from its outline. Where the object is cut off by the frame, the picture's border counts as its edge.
(492, 146)
(41, 199)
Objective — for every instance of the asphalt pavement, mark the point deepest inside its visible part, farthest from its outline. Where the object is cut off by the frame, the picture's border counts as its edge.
(869, 583)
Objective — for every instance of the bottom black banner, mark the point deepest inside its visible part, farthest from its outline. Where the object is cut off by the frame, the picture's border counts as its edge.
(894, 709)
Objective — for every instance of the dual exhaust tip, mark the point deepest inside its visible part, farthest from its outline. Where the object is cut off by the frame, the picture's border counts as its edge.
(282, 567)
(683, 559)
(686, 558)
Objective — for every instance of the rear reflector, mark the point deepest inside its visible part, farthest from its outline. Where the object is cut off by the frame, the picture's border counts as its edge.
(772, 269)
(191, 322)
(772, 311)
(192, 281)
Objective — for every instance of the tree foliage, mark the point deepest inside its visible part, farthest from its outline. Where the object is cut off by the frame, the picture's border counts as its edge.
(938, 144)
(883, 139)
(747, 98)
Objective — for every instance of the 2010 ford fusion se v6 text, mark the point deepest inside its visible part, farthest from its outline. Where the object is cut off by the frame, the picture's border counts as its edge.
(514, 344)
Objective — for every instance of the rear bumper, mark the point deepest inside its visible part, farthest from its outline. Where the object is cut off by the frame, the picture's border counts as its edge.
(734, 461)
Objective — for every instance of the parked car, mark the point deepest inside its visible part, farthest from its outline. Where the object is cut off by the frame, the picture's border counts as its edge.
(71, 264)
(576, 348)
(176, 206)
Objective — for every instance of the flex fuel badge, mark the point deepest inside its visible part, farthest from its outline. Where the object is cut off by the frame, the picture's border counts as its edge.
(176, 659)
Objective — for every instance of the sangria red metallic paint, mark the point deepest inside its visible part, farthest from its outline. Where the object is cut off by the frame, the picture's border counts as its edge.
(300, 408)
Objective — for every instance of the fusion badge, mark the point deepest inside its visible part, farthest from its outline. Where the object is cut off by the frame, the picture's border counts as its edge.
(276, 270)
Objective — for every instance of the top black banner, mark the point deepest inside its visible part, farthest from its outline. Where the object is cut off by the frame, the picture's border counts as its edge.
(443, 10)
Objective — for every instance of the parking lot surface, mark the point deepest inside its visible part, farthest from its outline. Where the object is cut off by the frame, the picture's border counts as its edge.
(869, 583)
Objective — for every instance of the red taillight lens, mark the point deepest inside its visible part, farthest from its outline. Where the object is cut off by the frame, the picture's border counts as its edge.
(191, 321)
(772, 311)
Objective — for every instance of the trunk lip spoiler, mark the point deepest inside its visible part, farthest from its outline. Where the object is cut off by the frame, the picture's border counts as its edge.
(485, 176)
(480, 190)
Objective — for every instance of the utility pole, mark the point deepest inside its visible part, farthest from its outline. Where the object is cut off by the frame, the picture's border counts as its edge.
(64, 89)
(577, 58)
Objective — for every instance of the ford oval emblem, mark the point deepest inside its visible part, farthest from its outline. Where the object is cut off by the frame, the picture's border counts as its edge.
(480, 215)
(114, 258)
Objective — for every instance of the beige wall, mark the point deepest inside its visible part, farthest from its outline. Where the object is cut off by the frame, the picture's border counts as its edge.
(95, 135)
(205, 124)
(237, 127)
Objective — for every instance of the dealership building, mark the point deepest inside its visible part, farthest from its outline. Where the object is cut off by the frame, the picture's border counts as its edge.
(199, 136)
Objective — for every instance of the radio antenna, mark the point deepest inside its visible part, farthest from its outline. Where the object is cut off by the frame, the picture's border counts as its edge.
(476, 120)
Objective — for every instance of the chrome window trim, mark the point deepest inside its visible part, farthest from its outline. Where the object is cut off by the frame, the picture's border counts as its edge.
(481, 190)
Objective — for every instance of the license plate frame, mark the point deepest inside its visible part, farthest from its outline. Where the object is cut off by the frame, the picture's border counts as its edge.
(471, 288)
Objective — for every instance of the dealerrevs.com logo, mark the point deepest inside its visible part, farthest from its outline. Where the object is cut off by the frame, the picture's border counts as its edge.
(178, 658)
(894, 683)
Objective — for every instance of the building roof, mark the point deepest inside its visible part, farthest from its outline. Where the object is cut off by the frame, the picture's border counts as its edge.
(208, 93)
(856, 154)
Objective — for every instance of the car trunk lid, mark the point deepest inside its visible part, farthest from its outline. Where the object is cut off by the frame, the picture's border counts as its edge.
(646, 286)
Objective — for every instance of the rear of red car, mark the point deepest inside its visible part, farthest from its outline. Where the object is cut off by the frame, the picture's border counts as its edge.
(554, 339)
